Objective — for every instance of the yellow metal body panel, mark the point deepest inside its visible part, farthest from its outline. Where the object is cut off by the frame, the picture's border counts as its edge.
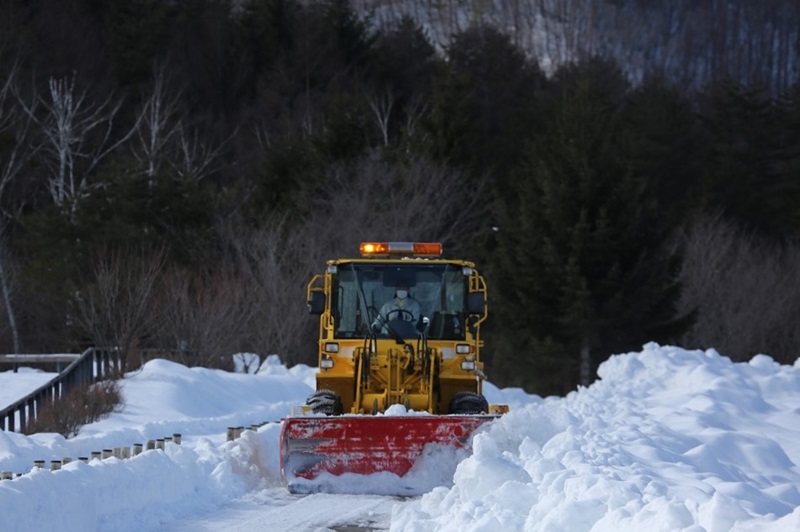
(372, 373)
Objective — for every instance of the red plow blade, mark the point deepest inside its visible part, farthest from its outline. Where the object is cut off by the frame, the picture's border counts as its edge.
(312, 447)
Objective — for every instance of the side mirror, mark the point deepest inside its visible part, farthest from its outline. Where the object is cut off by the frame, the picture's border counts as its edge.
(316, 305)
(476, 303)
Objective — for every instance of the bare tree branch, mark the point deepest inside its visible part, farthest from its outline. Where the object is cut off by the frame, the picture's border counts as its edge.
(276, 265)
(207, 316)
(416, 110)
(373, 199)
(75, 132)
(370, 200)
(14, 123)
(381, 105)
(746, 292)
(117, 308)
(196, 159)
(158, 123)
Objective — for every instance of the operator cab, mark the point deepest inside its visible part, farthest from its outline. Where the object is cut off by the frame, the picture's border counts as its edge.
(362, 290)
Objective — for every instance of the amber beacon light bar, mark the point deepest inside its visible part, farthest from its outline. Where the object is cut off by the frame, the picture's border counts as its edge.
(414, 249)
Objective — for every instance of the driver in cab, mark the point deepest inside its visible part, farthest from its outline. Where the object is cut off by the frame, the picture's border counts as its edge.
(400, 307)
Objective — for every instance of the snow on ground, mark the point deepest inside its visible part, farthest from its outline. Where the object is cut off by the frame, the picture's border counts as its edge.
(667, 439)
(15, 386)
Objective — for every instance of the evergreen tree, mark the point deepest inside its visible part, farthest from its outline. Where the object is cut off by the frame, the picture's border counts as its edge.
(749, 153)
(137, 35)
(265, 28)
(405, 60)
(129, 211)
(584, 271)
(64, 38)
(788, 155)
(351, 35)
(206, 55)
(666, 144)
(483, 102)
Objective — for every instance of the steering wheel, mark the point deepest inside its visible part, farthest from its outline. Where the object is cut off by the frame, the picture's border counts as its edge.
(401, 313)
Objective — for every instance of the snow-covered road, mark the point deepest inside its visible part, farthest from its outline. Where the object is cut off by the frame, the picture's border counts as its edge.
(667, 439)
(275, 509)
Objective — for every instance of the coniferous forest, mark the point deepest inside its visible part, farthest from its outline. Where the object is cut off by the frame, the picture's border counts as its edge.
(172, 172)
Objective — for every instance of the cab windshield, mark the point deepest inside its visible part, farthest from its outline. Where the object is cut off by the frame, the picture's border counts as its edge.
(360, 291)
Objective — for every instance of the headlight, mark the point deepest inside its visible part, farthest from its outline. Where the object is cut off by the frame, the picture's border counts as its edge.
(463, 349)
(331, 347)
(468, 365)
(326, 363)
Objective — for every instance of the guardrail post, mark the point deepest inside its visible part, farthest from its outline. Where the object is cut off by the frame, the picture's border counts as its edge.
(105, 362)
(97, 359)
(87, 370)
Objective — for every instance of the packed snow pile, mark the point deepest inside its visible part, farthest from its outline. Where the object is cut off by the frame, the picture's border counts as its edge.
(666, 439)
(25, 381)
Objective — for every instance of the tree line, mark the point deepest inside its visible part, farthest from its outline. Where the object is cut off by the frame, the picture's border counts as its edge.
(172, 174)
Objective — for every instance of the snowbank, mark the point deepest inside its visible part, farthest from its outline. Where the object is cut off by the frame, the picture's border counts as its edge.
(667, 439)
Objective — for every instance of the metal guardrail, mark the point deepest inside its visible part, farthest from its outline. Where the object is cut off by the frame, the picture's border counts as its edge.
(92, 365)
(59, 360)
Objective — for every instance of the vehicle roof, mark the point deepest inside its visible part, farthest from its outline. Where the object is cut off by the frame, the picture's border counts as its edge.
(402, 260)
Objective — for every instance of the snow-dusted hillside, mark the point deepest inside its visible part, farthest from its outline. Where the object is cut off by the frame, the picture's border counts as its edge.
(690, 43)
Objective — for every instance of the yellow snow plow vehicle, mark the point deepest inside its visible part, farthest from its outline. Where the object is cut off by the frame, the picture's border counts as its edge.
(399, 364)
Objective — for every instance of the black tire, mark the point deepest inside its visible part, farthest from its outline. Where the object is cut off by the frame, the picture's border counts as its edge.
(468, 403)
(325, 402)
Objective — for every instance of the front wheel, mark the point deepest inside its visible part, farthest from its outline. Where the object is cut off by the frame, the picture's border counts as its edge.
(325, 402)
(468, 403)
